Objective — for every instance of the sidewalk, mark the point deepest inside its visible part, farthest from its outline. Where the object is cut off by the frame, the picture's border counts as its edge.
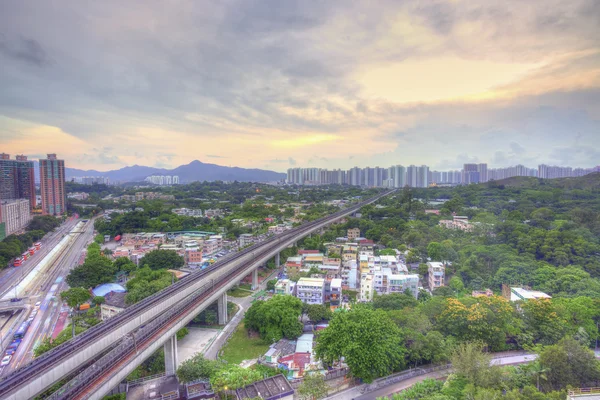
(212, 350)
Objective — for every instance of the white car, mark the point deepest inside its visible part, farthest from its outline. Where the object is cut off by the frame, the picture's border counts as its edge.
(39, 303)
(5, 360)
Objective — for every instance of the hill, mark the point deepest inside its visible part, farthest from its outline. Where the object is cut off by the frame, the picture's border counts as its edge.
(589, 181)
(192, 172)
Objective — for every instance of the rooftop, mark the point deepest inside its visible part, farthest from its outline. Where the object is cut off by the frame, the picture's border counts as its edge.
(271, 388)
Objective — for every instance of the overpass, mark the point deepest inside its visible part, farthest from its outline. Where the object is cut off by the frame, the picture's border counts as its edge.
(124, 341)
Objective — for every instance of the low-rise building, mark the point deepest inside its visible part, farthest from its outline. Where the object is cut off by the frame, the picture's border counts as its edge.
(293, 265)
(522, 294)
(436, 272)
(335, 292)
(366, 288)
(193, 256)
(211, 246)
(246, 239)
(114, 303)
(285, 287)
(353, 234)
(311, 290)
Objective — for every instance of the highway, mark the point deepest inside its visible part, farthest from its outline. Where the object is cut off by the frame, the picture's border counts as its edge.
(46, 290)
(159, 317)
(9, 276)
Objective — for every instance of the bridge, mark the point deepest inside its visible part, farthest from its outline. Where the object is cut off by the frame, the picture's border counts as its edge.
(107, 353)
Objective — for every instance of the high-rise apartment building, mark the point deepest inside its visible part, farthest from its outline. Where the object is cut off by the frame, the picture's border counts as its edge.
(52, 185)
(17, 179)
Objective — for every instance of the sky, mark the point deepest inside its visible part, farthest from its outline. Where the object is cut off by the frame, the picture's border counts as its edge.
(276, 84)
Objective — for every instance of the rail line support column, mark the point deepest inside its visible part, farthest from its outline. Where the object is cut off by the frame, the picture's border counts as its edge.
(277, 260)
(222, 309)
(255, 279)
(171, 360)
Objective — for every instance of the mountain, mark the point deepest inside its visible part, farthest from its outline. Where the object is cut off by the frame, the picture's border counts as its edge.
(194, 171)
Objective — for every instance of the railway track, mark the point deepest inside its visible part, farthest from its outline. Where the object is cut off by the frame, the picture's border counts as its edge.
(227, 265)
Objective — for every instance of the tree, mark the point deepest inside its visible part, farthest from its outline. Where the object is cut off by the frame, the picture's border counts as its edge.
(537, 371)
(471, 362)
(275, 318)
(75, 297)
(124, 264)
(394, 301)
(162, 259)
(146, 282)
(197, 367)
(370, 342)
(98, 300)
(233, 377)
(435, 251)
(317, 312)
(95, 270)
(313, 387)
(271, 284)
(456, 284)
(569, 363)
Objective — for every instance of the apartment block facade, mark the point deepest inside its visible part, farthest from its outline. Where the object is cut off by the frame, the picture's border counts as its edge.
(311, 290)
(52, 185)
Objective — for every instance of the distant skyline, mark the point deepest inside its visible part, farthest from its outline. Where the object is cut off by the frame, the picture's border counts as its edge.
(282, 84)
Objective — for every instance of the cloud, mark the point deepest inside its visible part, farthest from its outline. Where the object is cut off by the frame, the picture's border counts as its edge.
(407, 82)
(25, 50)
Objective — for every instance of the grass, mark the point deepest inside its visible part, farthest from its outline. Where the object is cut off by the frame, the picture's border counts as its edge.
(246, 286)
(241, 347)
(238, 292)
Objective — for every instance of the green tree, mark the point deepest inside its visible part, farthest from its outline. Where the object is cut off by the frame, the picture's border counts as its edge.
(162, 259)
(197, 367)
(394, 301)
(98, 300)
(470, 361)
(317, 312)
(313, 387)
(370, 342)
(435, 251)
(124, 264)
(75, 297)
(569, 363)
(233, 377)
(275, 318)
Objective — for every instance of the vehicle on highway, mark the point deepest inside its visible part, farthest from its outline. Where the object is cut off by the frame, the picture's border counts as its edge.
(15, 300)
(10, 352)
(5, 360)
(39, 303)
(14, 344)
(20, 333)
(18, 262)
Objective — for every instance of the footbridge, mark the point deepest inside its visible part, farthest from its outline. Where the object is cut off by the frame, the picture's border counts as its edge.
(104, 355)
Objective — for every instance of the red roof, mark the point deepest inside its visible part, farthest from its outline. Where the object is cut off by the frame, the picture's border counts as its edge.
(366, 241)
(298, 361)
(308, 252)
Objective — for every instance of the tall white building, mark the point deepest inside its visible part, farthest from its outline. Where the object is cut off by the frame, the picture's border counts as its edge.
(15, 214)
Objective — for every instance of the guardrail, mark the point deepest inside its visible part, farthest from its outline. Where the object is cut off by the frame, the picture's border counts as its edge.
(402, 376)
(592, 390)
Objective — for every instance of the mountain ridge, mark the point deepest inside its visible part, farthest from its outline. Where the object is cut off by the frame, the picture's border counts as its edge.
(192, 172)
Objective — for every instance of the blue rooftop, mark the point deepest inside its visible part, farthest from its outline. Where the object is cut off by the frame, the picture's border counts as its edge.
(106, 288)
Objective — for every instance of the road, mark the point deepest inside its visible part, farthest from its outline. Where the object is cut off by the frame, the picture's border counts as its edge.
(355, 394)
(12, 275)
(46, 290)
